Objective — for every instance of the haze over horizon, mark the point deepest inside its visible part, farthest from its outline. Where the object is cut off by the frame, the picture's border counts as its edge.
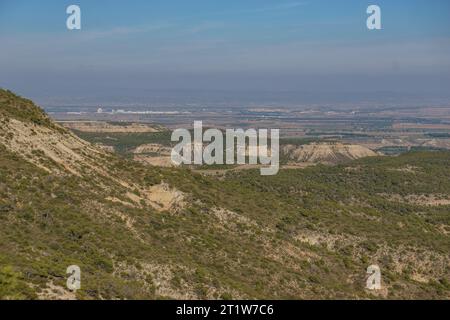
(313, 47)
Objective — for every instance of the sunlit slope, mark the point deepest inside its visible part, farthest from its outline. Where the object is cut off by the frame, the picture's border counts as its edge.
(327, 153)
(144, 232)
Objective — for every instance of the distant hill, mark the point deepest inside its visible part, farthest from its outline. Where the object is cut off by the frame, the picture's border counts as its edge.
(139, 231)
(326, 152)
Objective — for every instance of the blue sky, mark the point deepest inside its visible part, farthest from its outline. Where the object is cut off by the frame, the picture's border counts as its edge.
(305, 45)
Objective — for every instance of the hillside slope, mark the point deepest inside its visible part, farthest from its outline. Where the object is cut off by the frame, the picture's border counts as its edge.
(145, 232)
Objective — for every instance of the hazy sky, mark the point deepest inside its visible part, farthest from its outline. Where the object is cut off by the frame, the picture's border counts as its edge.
(130, 47)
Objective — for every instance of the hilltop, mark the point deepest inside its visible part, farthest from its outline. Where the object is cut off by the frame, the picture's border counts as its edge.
(14, 107)
(139, 231)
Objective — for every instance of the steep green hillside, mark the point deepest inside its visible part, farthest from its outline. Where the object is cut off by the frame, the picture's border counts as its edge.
(144, 232)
